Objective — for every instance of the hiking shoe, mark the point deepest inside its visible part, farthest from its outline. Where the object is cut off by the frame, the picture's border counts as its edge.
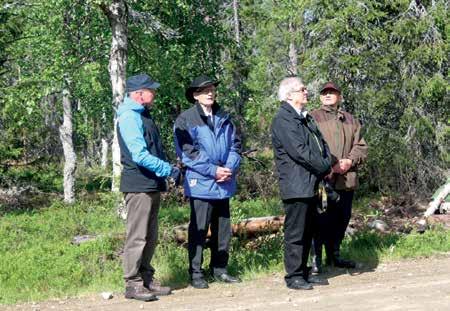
(139, 292)
(157, 289)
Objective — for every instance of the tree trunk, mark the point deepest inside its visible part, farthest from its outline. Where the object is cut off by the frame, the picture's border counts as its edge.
(238, 73)
(236, 22)
(104, 153)
(70, 158)
(293, 52)
(118, 19)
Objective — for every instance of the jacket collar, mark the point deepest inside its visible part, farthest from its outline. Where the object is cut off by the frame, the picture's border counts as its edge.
(129, 104)
(285, 105)
(216, 110)
(339, 112)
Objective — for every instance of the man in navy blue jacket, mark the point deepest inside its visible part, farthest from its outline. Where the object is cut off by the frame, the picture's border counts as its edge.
(208, 146)
(144, 172)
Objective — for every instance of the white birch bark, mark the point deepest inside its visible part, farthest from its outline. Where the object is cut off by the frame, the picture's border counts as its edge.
(117, 16)
(104, 153)
(237, 37)
(70, 158)
(293, 52)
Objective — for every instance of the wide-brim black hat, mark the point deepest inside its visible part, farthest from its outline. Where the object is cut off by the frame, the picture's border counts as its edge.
(199, 83)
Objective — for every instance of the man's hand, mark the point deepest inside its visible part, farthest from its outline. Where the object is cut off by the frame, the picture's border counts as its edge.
(345, 165)
(223, 174)
(175, 174)
(336, 169)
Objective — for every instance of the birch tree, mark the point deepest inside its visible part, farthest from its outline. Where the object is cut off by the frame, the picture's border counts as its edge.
(70, 157)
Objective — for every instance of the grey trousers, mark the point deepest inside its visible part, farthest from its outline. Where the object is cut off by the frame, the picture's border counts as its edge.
(142, 236)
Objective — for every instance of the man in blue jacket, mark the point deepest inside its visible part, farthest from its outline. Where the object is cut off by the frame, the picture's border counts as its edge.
(208, 146)
(144, 173)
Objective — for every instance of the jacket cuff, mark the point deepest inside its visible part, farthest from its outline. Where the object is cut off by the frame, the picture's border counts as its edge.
(213, 170)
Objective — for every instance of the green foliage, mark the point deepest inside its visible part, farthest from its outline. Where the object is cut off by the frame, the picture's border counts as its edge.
(424, 245)
(255, 208)
(389, 57)
(390, 60)
(39, 262)
(46, 178)
(93, 179)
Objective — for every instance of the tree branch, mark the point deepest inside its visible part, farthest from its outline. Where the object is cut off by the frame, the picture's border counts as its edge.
(151, 23)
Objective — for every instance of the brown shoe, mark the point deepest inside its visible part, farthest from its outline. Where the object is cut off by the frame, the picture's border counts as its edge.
(157, 289)
(139, 292)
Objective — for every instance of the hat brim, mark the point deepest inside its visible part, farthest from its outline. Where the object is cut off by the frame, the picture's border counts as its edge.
(330, 88)
(190, 91)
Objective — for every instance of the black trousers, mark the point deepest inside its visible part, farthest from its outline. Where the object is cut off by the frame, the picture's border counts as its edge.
(331, 225)
(298, 230)
(205, 214)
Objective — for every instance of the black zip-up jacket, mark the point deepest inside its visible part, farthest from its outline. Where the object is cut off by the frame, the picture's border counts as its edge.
(302, 156)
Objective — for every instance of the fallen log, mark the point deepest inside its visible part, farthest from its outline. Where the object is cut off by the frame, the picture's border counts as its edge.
(247, 228)
(439, 198)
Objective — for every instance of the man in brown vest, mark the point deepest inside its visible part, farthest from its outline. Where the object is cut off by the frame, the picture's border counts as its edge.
(342, 132)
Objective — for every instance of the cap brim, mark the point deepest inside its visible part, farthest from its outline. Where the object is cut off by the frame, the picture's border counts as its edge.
(153, 86)
(330, 88)
(150, 86)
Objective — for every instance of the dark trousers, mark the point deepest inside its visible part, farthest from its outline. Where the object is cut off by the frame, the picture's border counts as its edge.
(331, 226)
(298, 225)
(216, 214)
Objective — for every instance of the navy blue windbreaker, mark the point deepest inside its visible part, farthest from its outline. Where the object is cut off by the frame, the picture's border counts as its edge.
(202, 146)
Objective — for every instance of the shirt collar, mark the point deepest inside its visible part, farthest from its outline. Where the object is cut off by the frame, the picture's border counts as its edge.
(301, 111)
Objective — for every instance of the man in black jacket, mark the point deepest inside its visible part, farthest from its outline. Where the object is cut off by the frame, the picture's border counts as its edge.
(302, 158)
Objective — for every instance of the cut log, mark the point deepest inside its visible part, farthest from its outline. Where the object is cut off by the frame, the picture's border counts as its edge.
(259, 225)
(248, 228)
(438, 200)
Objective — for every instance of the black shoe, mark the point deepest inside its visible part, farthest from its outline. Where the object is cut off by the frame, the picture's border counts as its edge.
(199, 283)
(139, 292)
(344, 263)
(226, 278)
(299, 284)
(317, 280)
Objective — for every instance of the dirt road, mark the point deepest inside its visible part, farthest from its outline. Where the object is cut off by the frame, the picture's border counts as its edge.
(408, 285)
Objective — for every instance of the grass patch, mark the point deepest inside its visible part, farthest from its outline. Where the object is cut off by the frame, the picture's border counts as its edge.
(39, 262)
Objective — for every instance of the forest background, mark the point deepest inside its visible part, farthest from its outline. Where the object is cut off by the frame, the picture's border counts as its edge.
(63, 66)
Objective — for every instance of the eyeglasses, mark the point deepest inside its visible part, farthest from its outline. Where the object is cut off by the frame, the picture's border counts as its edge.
(301, 90)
